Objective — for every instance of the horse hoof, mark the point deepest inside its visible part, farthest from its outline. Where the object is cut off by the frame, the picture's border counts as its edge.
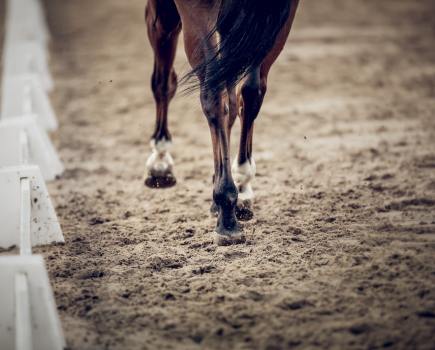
(244, 211)
(165, 181)
(214, 211)
(228, 238)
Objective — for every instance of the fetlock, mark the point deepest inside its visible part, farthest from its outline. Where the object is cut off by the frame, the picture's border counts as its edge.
(243, 175)
(159, 166)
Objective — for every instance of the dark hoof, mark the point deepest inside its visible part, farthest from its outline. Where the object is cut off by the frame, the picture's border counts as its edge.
(165, 181)
(244, 211)
(229, 237)
(214, 210)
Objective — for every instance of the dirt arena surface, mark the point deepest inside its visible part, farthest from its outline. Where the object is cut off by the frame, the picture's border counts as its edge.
(340, 254)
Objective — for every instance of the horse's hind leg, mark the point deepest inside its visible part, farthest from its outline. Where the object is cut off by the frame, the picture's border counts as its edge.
(232, 116)
(250, 97)
(215, 107)
(163, 23)
(228, 231)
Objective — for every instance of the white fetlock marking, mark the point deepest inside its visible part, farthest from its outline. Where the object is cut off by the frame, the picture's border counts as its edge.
(161, 146)
(245, 192)
(243, 175)
(160, 160)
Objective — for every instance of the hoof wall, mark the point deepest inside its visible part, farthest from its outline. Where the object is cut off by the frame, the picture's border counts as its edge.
(222, 240)
(244, 211)
(160, 182)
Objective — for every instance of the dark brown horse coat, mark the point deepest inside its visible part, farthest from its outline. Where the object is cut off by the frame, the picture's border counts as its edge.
(231, 45)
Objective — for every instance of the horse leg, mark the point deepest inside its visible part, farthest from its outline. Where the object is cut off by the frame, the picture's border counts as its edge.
(227, 231)
(164, 26)
(250, 97)
(232, 115)
(215, 109)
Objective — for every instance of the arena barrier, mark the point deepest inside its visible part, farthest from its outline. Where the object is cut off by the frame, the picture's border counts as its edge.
(28, 317)
(41, 150)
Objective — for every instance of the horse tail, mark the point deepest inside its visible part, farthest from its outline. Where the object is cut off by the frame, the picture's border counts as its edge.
(248, 31)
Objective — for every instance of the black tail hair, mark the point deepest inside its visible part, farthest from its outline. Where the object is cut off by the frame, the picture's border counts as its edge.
(248, 31)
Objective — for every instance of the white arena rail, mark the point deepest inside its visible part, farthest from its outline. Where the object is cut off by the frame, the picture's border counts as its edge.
(23, 94)
(28, 314)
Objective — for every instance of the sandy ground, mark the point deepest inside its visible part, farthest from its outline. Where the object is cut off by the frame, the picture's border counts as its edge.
(340, 254)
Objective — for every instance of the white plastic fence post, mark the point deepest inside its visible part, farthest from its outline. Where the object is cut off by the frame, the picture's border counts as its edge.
(41, 149)
(24, 147)
(26, 242)
(27, 99)
(27, 57)
(13, 56)
(28, 316)
(13, 89)
(44, 225)
(23, 320)
(25, 21)
(46, 330)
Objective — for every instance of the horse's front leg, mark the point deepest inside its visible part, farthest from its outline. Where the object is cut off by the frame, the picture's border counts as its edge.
(227, 231)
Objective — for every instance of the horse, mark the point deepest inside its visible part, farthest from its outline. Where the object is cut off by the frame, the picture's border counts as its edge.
(231, 46)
